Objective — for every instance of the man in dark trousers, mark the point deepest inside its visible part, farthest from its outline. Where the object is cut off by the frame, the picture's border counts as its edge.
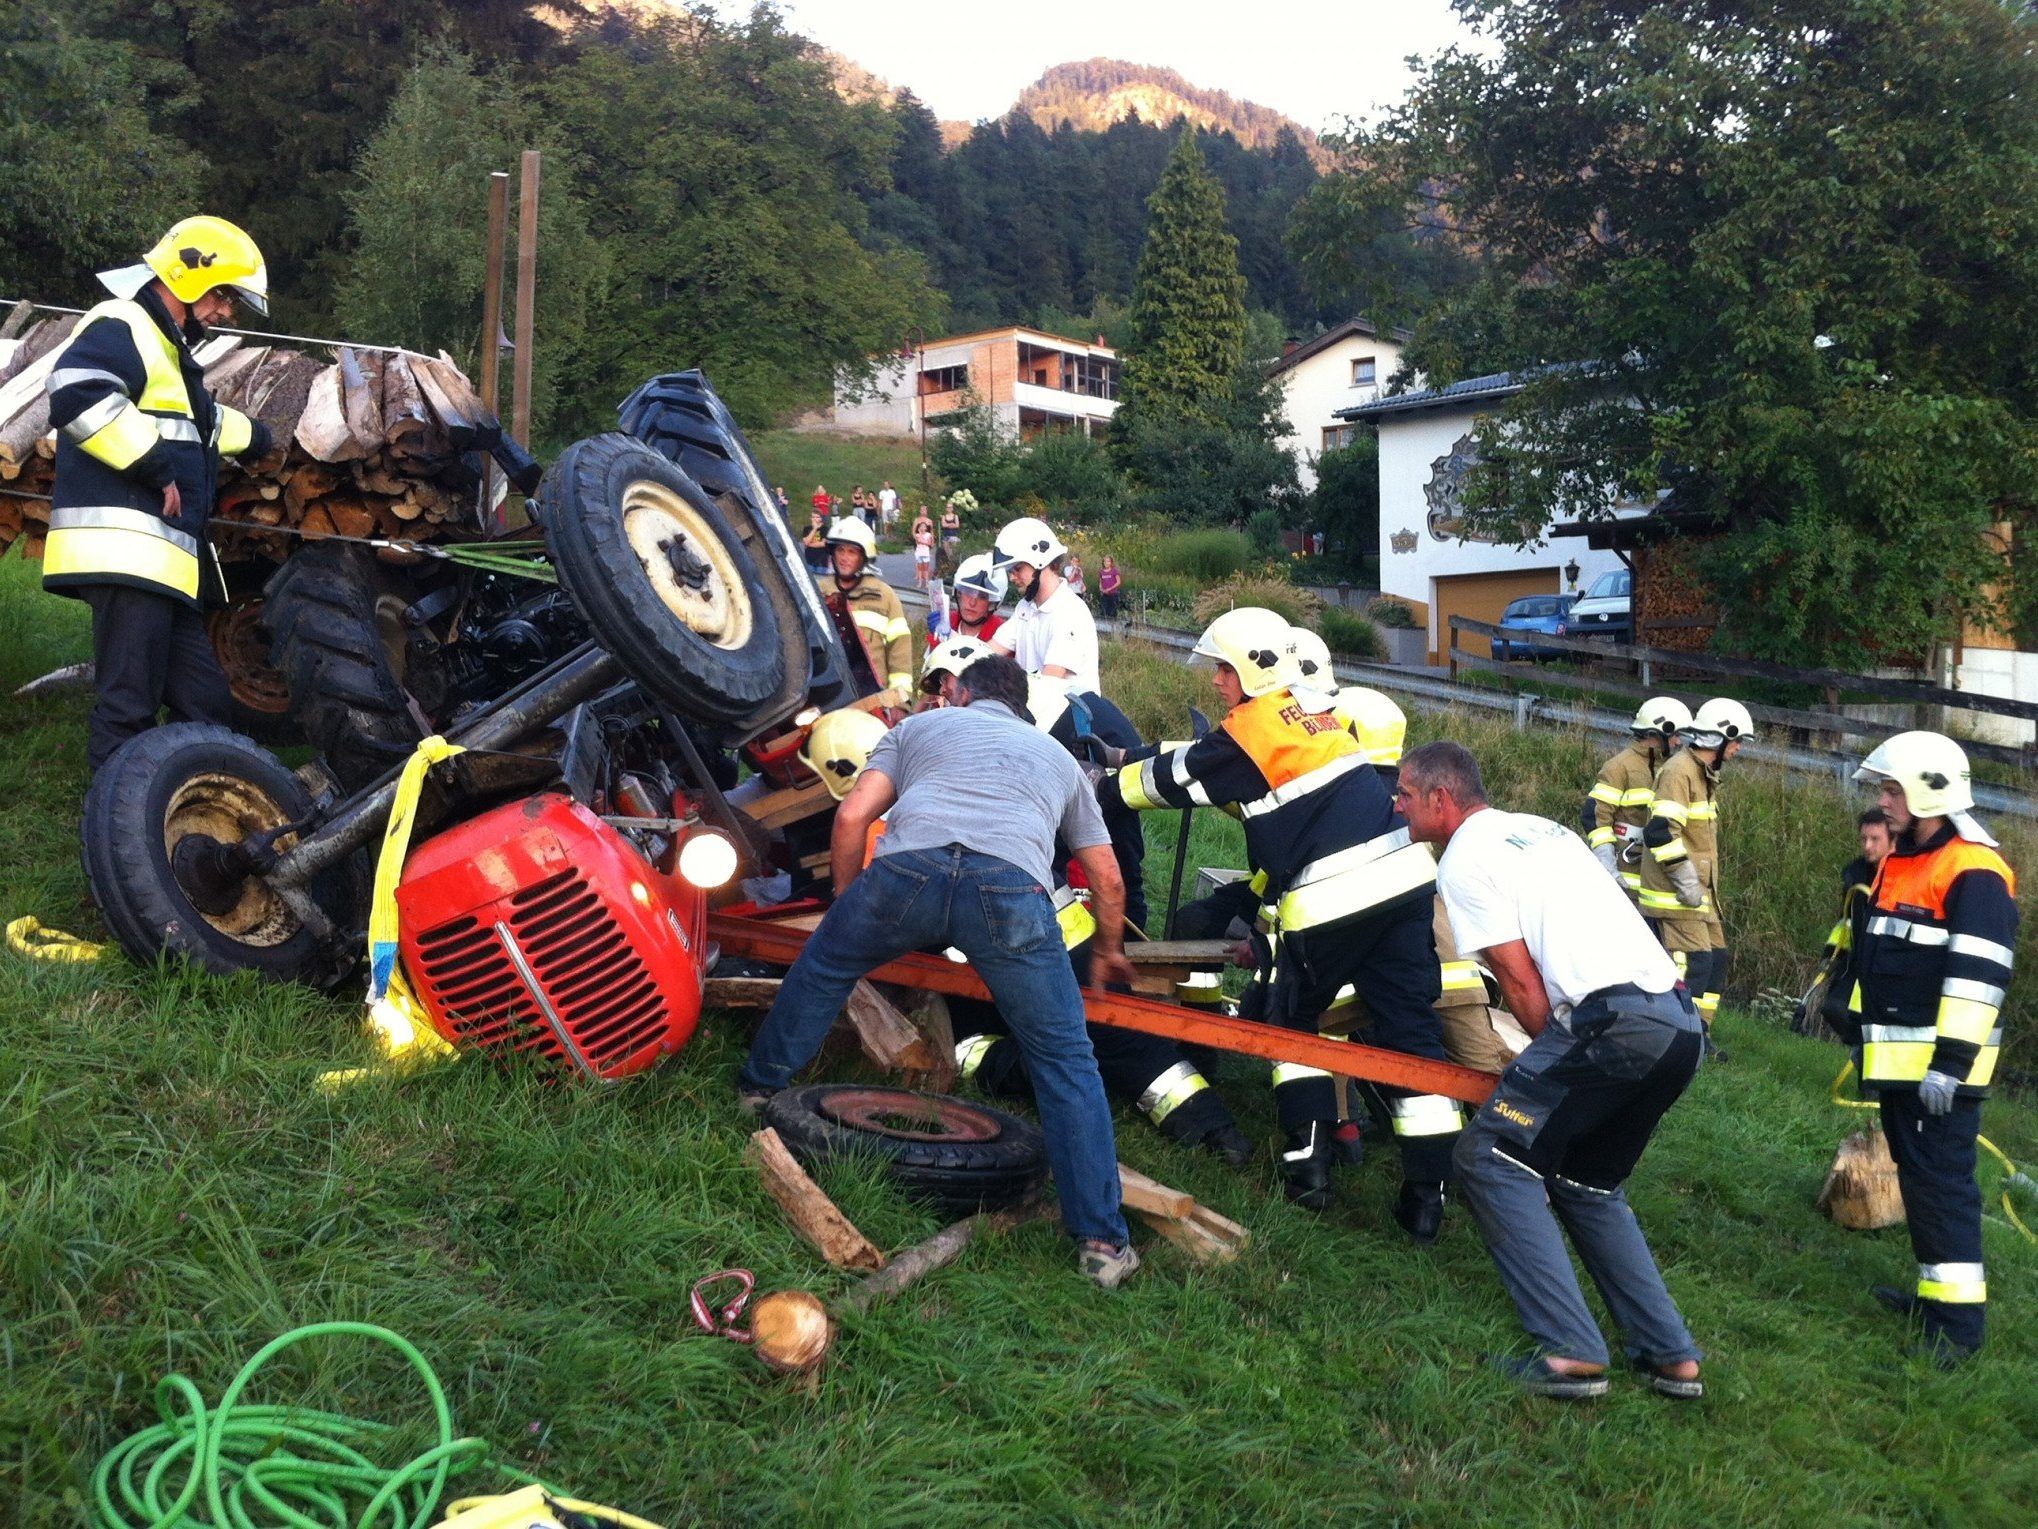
(1615, 1043)
(138, 446)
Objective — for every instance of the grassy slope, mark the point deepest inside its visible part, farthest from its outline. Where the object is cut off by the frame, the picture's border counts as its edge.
(796, 460)
(176, 1192)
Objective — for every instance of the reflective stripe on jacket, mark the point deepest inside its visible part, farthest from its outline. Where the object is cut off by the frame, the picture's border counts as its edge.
(880, 620)
(132, 415)
(1931, 965)
(1683, 825)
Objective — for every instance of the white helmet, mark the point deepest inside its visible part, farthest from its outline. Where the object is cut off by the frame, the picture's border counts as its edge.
(1047, 698)
(981, 575)
(1312, 660)
(1027, 540)
(838, 747)
(952, 657)
(1257, 643)
(1720, 720)
(1931, 768)
(849, 531)
(1662, 716)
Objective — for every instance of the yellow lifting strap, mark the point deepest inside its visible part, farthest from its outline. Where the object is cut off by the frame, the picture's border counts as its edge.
(2013, 1176)
(30, 937)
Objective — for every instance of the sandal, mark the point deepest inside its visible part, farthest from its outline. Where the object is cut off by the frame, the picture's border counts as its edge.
(1538, 1377)
(1670, 1385)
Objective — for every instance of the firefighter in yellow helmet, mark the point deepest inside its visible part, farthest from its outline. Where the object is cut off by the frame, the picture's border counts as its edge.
(1680, 891)
(1623, 799)
(1380, 726)
(139, 441)
(1933, 953)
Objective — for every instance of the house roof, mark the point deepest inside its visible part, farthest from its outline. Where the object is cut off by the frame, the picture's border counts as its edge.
(1018, 332)
(1471, 390)
(1360, 326)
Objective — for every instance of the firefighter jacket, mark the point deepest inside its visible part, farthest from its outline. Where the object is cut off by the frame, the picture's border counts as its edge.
(873, 607)
(1683, 825)
(1622, 801)
(1318, 821)
(1932, 959)
(131, 413)
(1834, 978)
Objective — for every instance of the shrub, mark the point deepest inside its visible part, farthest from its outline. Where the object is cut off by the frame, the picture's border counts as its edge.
(1265, 530)
(1298, 606)
(1385, 612)
(1207, 556)
(1350, 633)
(1072, 474)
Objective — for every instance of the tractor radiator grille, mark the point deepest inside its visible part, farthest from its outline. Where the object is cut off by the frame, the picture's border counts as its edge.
(595, 1002)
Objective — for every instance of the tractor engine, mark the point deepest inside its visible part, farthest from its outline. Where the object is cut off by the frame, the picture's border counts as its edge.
(538, 928)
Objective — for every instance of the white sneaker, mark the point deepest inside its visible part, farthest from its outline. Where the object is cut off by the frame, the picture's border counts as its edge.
(1105, 1266)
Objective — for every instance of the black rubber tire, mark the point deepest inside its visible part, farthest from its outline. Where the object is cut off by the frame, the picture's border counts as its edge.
(582, 507)
(346, 698)
(123, 841)
(957, 1177)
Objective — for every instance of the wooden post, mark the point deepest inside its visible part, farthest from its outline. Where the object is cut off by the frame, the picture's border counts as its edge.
(489, 357)
(527, 295)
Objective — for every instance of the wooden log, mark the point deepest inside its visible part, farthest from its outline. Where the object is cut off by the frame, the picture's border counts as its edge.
(304, 486)
(322, 427)
(791, 1331)
(813, 1215)
(1144, 1194)
(317, 524)
(350, 517)
(937, 1252)
(740, 992)
(361, 394)
(1861, 1189)
(928, 1013)
(888, 1037)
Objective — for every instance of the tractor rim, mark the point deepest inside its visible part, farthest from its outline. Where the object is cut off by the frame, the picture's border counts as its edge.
(691, 570)
(242, 646)
(227, 809)
(904, 1116)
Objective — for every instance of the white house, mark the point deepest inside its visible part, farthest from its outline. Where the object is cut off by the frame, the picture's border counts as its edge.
(1426, 562)
(1340, 368)
(1031, 380)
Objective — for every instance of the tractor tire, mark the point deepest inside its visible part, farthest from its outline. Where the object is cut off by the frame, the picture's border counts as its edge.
(191, 778)
(660, 575)
(337, 639)
(956, 1155)
(260, 706)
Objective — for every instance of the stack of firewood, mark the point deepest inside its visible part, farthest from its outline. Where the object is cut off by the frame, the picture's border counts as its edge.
(375, 444)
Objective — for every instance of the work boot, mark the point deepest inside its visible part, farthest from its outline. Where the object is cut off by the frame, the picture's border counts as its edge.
(1903, 1302)
(1420, 1210)
(1347, 1145)
(1305, 1166)
(1231, 1145)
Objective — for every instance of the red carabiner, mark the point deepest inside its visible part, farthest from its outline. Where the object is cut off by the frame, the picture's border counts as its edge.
(722, 1323)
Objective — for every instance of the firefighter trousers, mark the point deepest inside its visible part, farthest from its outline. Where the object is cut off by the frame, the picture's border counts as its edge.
(149, 653)
(1942, 1203)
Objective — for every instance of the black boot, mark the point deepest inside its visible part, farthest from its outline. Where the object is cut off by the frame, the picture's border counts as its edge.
(1305, 1166)
(1347, 1145)
(1231, 1145)
(1420, 1210)
(1903, 1302)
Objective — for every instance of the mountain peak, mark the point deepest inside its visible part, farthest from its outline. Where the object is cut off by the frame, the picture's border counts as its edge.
(1096, 92)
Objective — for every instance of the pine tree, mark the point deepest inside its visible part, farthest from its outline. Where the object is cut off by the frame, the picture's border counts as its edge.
(1188, 302)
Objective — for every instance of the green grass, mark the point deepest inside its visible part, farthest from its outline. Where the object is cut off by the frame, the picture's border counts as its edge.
(796, 460)
(176, 1192)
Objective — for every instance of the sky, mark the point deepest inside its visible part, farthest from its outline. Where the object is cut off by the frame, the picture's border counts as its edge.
(1316, 60)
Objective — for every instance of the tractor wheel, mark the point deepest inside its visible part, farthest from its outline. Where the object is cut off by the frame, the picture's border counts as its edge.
(954, 1154)
(337, 638)
(658, 572)
(261, 696)
(156, 808)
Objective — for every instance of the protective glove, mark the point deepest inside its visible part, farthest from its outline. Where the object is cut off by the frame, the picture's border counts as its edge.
(1935, 1093)
(1684, 877)
(1608, 858)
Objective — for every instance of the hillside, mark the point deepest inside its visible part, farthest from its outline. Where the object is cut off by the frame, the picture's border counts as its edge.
(1097, 92)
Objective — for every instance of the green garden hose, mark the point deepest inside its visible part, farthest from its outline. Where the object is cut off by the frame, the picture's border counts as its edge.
(290, 1465)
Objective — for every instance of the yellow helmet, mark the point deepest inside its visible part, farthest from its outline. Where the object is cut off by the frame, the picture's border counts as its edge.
(1931, 768)
(1380, 726)
(1258, 644)
(838, 747)
(201, 253)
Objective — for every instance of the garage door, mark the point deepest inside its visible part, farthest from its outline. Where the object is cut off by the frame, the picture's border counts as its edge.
(1482, 597)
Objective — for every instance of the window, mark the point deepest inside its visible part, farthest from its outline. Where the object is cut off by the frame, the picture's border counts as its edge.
(1535, 605)
(1363, 372)
(1335, 436)
(1609, 586)
(944, 379)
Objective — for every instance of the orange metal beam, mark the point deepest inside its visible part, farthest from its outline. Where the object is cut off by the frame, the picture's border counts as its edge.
(762, 940)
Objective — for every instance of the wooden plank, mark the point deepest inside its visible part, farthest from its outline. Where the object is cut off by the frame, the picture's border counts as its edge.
(1188, 953)
(1220, 1226)
(789, 804)
(740, 992)
(889, 1038)
(813, 1215)
(1199, 1242)
(1144, 1194)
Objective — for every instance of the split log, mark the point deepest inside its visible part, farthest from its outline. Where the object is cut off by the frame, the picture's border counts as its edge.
(791, 1331)
(740, 992)
(322, 427)
(350, 517)
(888, 1037)
(1861, 1189)
(305, 486)
(928, 1013)
(361, 396)
(937, 1252)
(316, 524)
(1142, 1193)
(813, 1215)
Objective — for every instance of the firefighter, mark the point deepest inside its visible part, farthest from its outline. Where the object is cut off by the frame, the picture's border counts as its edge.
(1623, 799)
(945, 664)
(1822, 1010)
(1680, 891)
(1932, 961)
(870, 605)
(838, 746)
(1150, 1072)
(1380, 726)
(137, 469)
(1051, 631)
(1351, 897)
(979, 588)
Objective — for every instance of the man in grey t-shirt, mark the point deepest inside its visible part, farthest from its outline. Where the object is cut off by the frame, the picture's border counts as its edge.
(973, 797)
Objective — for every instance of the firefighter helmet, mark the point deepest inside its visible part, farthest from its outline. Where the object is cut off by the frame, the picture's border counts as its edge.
(1027, 540)
(1380, 726)
(1720, 720)
(1931, 768)
(1258, 644)
(1661, 716)
(195, 256)
(952, 657)
(838, 747)
(1312, 660)
(1047, 698)
(850, 531)
(980, 575)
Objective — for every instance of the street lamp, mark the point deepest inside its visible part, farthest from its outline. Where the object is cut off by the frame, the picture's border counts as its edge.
(1571, 574)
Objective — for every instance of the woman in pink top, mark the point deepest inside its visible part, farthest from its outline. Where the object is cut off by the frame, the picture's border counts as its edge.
(1107, 587)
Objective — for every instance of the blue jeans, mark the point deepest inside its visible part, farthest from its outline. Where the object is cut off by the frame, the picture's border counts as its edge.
(1002, 919)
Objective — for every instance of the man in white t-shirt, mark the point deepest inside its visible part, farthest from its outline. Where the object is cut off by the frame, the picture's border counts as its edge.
(1052, 632)
(887, 507)
(1616, 1041)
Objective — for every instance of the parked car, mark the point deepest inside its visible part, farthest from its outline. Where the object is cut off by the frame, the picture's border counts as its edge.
(1605, 610)
(1530, 616)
